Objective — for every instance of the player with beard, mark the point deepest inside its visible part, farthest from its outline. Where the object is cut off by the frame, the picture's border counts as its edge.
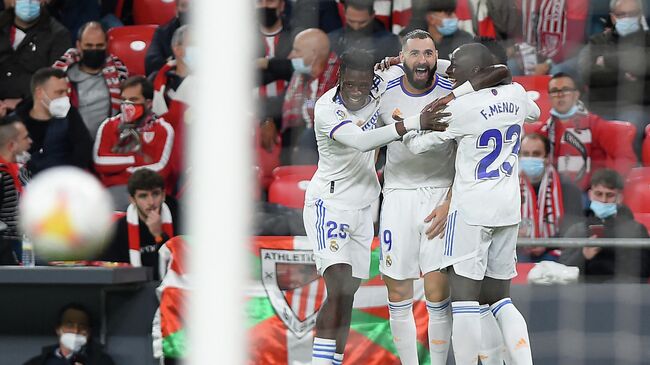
(413, 185)
(337, 214)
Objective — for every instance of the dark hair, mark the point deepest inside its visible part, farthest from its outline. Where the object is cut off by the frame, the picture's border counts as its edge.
(145, 179)
(147, 87)
(564, 74)
(495, 48)
(447, 6)
(416, 34)
(85, 26)
(75, 306)
(41, 76)
(546, 141)
(607, 178)
(357, 59)
(367, 5)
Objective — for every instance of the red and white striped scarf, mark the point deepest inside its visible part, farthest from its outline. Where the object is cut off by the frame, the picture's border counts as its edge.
(298, 107)
(133, 223)
(114, 73)
(545, 210)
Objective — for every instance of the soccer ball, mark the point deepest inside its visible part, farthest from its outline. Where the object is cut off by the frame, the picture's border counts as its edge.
(67, 214)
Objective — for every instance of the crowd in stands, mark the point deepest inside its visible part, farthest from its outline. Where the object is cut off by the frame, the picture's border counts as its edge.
(585, 63)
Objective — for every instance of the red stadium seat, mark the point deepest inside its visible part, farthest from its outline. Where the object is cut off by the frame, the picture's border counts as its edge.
(130, 44)
(537, 87)
(637, 190)
(305, 171)
(289, 191)
(645, 149)
(153, 11)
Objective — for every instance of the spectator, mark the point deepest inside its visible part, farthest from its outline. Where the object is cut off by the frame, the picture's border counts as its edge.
(14, 143)
(553, 32)
(442, 24)
(614, 65)
(498, 52)
(29, 40)
(160, 49)
(59, 135)
(94, 76)
(134, 139)
(363, 31)
(74, 329)
(546, 197)
(579, 139)
(321, 14)
(151, 219)
(276, 42)
(73, 14)
(607, 217)
(316, 72)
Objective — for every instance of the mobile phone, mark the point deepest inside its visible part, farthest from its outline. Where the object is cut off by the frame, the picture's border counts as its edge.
(597, 230)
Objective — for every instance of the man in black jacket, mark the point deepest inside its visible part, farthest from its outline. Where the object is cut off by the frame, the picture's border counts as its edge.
(607, 217)
(160, 49)
(75, 346)
(29, 40)
(59, 135)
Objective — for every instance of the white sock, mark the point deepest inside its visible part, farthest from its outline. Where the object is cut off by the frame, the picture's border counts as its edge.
(491, 352)
(338, 359)
(439, 331)
(323, 351)
(514, 330)
(466, 332)
(402, 327)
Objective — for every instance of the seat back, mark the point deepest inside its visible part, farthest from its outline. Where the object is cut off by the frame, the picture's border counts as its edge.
(306, 171)
(288, 191)
(130, 44)
(637, 190)
(645, 149)
(537, 87)
(153, 11)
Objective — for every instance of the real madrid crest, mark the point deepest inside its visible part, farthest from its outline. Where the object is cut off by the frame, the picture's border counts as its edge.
(340, 114)
(389, 261)
(334, 246)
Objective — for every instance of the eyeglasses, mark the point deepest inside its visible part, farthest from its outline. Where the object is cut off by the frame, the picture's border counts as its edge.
(561, 92)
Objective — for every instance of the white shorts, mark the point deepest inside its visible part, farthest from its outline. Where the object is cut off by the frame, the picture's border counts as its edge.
(479, 251)
(406, 252)
(340, 237)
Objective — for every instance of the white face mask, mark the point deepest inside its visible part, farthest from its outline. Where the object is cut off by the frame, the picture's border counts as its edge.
(73, 341)
(23, 157)
(59, 107)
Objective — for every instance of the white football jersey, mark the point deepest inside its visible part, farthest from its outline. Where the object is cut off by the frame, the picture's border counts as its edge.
(404, 170)
(488, 126)
(346, 177)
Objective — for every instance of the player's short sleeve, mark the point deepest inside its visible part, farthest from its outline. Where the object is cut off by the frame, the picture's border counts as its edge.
(330, 117)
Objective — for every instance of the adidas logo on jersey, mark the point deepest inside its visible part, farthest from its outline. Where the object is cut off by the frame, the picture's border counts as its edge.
(521, 344)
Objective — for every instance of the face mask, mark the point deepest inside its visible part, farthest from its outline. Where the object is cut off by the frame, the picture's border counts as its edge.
(571, 112)
(189, 59)
(23, 157)
(27, 10)
(93, 58)
(182, 17)
(603, 210)
(267, 16)
(625, 26)
(131, 112)
(58, 107)
(72, 341)
(300, 67)
(533, 167)
(449, 26)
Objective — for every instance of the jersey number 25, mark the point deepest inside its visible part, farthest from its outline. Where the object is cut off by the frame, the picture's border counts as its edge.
(512, 135)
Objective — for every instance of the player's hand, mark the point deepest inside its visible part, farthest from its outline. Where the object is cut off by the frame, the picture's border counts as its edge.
(154, 223)
(385, 64)
(438, 219)
(438, 102)
(268, 135)
(433, 119)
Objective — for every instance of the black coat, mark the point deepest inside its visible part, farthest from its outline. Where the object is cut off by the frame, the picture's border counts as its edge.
(380, 42)
(161, 46)
(44, 43)
(89, 355)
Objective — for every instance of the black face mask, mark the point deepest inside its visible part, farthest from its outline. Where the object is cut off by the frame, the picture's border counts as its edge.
(267, 16)
(182, 17)
(93, 58)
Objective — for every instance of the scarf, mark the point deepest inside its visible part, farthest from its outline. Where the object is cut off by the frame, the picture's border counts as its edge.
(13, 170)
(545, 210)
(133, 223)
(298, 107)
(114, 73)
